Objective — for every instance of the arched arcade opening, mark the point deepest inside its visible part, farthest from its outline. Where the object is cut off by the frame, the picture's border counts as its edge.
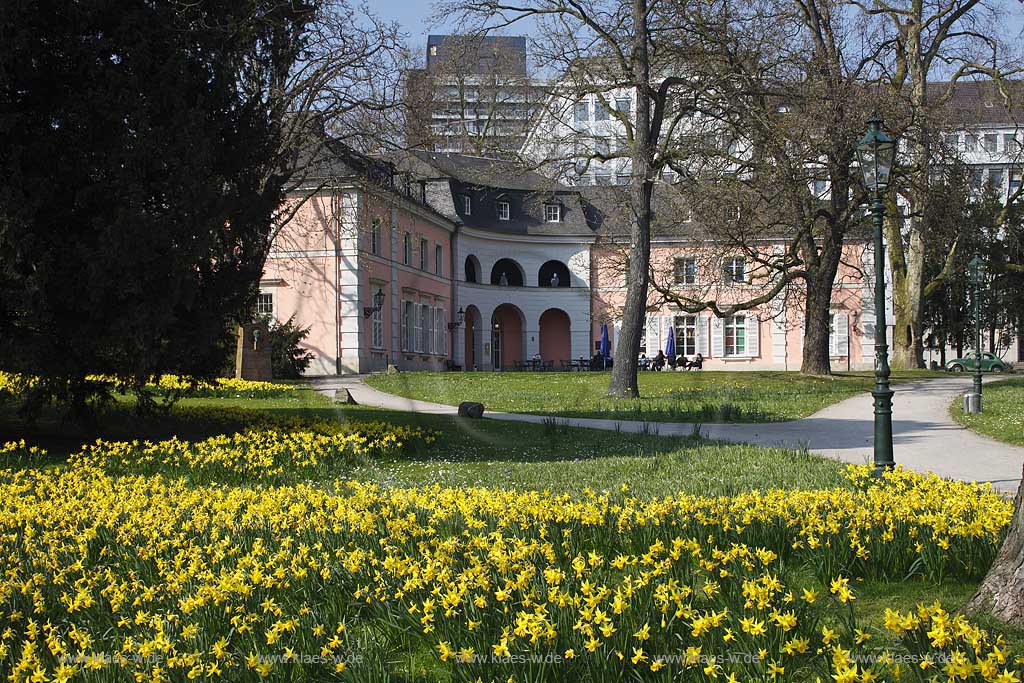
(507, 337)
(555, 336)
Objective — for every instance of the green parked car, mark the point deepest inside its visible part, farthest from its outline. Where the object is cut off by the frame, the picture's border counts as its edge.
(989, 363)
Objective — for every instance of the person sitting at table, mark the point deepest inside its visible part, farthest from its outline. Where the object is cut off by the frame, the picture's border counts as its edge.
(659, 361)
(671, 360)
(697, 362)
(682, 363)
(643, 361)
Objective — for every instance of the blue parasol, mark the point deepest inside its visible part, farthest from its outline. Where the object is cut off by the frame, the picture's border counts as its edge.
(670, 344)
(605, 346)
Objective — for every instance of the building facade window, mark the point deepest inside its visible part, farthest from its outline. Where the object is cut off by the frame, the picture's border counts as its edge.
(735, 269)
(407, 249)
(582, 111)
(552, 213)
(265, 304)
(990, 142)
(735, 335)
(438, 260)
(407, 326)
(423, 253)
(686, 335)
(440, 338)
(467, 205)
(995, 178)
(685, 271)
(375, 237)
(952, 141)
(426, 329)
(600, 110)
(1009, 143)
(970, 142)
(377, 329)
(624, 105)
(504, 211)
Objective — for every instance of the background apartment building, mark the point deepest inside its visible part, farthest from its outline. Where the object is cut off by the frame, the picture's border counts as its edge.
(475, 96)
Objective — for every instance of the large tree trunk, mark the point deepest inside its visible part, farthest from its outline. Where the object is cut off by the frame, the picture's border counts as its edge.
(817, 303)
(623, 383)
(1002, 591)
(816, 332)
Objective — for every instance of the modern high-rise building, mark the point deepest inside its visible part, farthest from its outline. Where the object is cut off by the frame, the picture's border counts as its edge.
(475, 96)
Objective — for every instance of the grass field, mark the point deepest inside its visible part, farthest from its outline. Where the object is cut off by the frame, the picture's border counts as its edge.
(665, 396)
(1002, 415)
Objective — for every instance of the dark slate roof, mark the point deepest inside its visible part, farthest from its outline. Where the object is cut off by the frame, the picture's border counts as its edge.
(982, 102)
(488, 172)
(487, 181)
(609, 213)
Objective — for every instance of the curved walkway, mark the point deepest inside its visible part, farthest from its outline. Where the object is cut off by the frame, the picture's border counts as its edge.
(925, 437)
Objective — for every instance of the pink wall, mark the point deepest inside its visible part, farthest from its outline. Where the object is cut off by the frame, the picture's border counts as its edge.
(302, 272)
(302, 280)
(608, 298)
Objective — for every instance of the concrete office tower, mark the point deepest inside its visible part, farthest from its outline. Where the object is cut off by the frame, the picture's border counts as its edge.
(475, 96)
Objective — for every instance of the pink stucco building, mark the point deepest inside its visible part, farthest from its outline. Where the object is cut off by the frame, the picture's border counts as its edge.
(477, 265)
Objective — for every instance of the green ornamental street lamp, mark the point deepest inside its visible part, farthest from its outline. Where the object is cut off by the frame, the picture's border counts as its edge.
(977, 272)
(876, 153)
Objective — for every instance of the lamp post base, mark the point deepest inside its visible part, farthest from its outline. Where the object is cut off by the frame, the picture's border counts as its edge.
(883, 430)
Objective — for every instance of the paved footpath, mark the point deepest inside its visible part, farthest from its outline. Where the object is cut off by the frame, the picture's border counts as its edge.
(925, 437)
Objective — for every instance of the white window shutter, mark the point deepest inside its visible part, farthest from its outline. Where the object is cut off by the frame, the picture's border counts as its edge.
(717, 342)
(653, 323)
(843, 334)
(753, 336)
(833, 334)
(703, 346)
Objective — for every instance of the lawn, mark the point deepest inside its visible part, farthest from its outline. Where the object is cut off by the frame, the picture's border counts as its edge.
(474, 535)
(704, 396)
(1002, 415)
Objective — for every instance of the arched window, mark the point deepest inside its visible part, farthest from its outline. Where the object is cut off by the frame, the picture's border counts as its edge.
(472, 269)
(553, 274)
(507, 273)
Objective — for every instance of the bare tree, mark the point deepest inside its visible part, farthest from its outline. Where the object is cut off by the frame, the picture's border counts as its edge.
(603, 47)
(922, 40)
(769, 173)
(341, 87)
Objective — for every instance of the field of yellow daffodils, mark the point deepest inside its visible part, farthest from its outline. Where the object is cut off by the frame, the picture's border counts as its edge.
(114, 568)
(12, 385)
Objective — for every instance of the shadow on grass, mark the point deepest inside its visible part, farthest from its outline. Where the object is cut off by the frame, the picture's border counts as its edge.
(459, 438)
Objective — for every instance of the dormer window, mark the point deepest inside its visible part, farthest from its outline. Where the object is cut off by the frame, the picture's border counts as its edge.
(467, 205)
(504, 211)
(552, 213)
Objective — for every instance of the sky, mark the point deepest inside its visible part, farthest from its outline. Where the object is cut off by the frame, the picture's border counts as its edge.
(413, 15)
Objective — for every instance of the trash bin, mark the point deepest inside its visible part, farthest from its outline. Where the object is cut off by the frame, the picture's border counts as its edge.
(972, 402)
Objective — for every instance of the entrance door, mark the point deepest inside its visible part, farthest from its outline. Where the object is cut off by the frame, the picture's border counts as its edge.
(496, 348)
